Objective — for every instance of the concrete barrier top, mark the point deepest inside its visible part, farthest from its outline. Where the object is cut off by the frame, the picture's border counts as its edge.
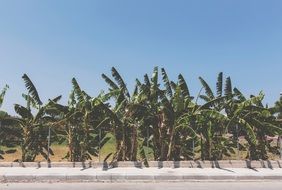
(152, 164)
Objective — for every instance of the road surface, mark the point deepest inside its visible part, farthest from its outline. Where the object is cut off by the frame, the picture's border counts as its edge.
(271, 185)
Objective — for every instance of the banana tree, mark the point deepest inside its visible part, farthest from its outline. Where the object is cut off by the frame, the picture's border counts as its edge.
(6, 128)
(124, 117)
(2, 94)
(277, 109)
(222, 89)
(82, 124)
(175, 102)
(256, 123)
(218, 142)
(277, 112)
(34, 127)
(161, 109)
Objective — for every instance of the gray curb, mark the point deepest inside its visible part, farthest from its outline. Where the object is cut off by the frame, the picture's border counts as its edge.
(152, 164)
(168, 171)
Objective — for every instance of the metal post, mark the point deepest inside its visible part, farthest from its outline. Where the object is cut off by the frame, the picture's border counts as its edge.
(280, 140)
(238, 145)
(280, 137)
(193, 147)
(99, 155)
(147, 136)
(49, 139)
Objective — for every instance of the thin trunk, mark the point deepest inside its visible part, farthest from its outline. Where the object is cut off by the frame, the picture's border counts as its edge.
(202, 149)
(70, 144)
(123, 144)
(134, 144)
(171, 145)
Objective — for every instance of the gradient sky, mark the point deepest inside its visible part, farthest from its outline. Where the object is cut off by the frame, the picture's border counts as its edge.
(55, 40)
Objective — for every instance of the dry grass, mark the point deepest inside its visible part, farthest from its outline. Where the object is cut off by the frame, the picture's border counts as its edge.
(61, 150)
(59, 153)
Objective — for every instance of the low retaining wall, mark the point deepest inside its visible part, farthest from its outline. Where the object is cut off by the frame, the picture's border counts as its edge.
(153, 164)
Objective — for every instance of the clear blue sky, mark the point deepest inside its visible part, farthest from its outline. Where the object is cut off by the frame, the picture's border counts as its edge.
(53, 41)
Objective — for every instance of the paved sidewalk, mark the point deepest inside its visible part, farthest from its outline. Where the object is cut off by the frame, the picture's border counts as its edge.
(249, 185)
(18, 174)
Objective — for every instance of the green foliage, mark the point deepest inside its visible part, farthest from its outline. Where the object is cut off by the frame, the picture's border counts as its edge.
(2, 94)
(159, 119)
(33, 124)
(6, 139)
(31, 89)
(81, 124)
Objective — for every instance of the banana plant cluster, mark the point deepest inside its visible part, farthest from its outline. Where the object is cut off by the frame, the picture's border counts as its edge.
(81, 124)
(160, 119)
(163, 116)
(5, 138)
(33, 124)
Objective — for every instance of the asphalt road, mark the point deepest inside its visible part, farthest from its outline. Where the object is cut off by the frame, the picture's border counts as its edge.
(145, 186)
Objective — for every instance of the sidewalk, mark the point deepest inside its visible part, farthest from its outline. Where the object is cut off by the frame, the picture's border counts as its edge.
(132, 174)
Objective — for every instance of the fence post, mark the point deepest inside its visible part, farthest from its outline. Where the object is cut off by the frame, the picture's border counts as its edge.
(280, 140)
(49, 136)
(238, 151)
(99, 155)
(193, 147)
(147, 136)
